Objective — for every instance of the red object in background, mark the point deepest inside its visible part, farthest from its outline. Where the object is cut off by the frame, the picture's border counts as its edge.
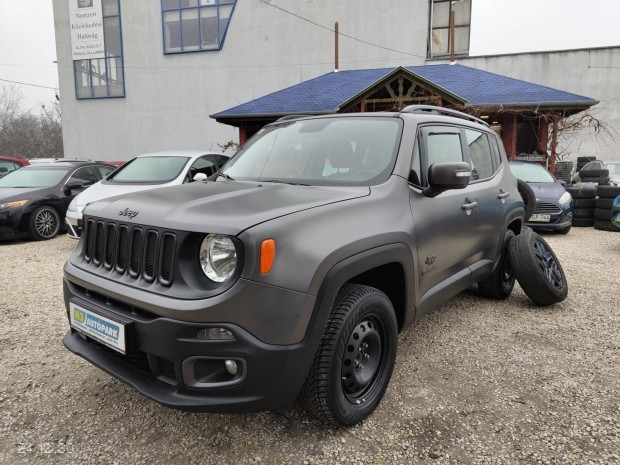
(21, 161)
(116, 163)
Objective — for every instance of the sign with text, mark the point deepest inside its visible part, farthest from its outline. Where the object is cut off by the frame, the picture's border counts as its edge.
(86, 22)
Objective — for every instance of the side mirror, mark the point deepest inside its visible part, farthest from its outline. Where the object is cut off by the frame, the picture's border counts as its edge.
(561, 181)
(447, 176)
(69, 188)
(200, 177)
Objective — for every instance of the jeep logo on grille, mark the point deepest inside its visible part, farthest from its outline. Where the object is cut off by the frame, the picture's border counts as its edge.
(128, 213)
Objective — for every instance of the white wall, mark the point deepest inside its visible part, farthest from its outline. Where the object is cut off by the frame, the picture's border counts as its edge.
(169, 97)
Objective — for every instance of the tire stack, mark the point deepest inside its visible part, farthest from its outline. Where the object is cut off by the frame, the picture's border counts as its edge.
(583, 161)
(564, 171)
(584, 203)
(604, 204)
(599, 176)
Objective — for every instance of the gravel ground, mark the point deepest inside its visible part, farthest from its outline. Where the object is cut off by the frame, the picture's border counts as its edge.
(476, 381)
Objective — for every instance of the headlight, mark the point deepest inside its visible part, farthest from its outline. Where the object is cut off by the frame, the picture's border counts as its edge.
(72, 206)
(566, 198)
(218, 257)
(19, 203)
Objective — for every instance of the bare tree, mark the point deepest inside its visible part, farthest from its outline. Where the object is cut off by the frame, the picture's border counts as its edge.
(10, 103)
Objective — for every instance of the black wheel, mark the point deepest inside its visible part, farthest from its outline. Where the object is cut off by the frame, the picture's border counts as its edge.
(593, 173)
(500, 283)
(537, 269)
(44, 223)
(590, 179)
(584, 203)
(586, 159)
(565, 230)
(583, 222)
(355, 359)
(529, 198)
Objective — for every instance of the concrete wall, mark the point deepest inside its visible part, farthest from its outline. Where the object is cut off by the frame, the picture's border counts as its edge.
(169, 97)
(593, 73)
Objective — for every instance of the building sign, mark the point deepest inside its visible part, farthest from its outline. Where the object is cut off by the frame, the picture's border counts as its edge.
(86, 22)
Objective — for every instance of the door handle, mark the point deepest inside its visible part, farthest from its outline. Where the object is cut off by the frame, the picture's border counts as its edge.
(503, 195)
(469, 206)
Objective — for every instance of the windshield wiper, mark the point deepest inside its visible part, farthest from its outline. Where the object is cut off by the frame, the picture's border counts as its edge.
(225, 176)
(280, 181)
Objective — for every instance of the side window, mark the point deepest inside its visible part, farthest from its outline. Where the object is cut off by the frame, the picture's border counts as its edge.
(415, 174)
(86, 175)
(497, 157)
(443, 147)
(105, 170)
(204, 164)
(479, 154)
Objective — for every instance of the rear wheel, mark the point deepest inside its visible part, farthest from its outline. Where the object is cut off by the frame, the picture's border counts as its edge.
(44, 223)
(355, 359)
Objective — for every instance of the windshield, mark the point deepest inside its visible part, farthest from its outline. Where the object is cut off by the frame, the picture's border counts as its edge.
(531, 173)
(328, 151)
(614, 168)
(33, 178)
(150, 169)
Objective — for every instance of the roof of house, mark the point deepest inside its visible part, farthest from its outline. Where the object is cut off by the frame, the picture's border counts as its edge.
(470, 86)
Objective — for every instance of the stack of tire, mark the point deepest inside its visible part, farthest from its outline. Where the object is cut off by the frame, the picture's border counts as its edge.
(599, 176)
(584, 205)
(604, 205)
(583, 161)
(564, 171)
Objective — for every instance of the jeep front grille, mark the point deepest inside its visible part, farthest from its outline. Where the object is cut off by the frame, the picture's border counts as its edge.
(137, 251)
(547, 208)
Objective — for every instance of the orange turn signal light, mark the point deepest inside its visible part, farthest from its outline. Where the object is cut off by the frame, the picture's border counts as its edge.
(267, 254)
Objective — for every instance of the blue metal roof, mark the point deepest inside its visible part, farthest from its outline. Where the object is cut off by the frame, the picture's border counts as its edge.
(473, 87)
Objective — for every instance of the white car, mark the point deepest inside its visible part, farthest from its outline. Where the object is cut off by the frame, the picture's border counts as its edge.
(144, 172)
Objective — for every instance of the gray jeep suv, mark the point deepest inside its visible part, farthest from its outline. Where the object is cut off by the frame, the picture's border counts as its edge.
(291, 273)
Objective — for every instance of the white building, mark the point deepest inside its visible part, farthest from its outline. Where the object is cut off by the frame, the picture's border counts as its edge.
(169, 65)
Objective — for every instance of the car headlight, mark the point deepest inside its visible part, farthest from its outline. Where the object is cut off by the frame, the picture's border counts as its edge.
(17, 204)
(72, 206)
(566, 198)
(218, 257)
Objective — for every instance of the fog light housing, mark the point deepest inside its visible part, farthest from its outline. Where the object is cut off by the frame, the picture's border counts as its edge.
(215, 334)
(213, 372)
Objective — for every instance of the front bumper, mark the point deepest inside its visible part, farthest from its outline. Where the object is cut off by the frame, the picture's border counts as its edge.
(166, 361)
(73, 220)
(11, 223)
(559, 219)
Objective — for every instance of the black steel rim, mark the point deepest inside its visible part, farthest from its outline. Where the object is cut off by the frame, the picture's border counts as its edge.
(548, 264)
(363, 360)
(46, 223)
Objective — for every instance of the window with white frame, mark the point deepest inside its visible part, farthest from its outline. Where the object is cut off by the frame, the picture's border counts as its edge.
(103, 77)
(195, 25)
(439, 40)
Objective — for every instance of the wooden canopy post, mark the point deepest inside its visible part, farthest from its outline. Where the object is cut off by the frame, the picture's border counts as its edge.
(554, 143)
(509, 134)
(243, 134)
(543, 134)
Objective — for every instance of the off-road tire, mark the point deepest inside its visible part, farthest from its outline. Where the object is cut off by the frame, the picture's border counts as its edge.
(360, 315)
(44, 223)
(500, 283)
(584, 203)
(604, 203)
(594, 173)
(590, 179)
(602, 214)
(537, 269)
(529, 198)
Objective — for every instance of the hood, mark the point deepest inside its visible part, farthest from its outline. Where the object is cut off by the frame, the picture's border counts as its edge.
(226, 207)
(100, 191)
(547, 190)
(10, 194)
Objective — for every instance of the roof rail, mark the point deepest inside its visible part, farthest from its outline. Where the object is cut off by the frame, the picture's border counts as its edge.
(443, 111)
(287, 117)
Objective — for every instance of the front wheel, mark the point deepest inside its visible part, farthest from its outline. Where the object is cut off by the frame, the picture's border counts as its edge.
(44, 223)
(355, 359)
(500, 283)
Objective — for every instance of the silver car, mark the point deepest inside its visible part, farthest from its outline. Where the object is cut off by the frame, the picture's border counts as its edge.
(145, 172)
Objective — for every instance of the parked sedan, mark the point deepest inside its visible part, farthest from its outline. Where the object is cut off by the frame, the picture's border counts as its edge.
(593, 170)
(553, 204)
(34, 199)
(8, 164)
(144, 172)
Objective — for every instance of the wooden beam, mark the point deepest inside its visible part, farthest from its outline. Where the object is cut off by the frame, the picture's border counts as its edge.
(554, 143)
(509, 134)
(543, 134)
(243, 134)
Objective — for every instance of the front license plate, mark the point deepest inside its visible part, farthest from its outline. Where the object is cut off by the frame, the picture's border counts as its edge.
(104, 330)
(541, 218)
